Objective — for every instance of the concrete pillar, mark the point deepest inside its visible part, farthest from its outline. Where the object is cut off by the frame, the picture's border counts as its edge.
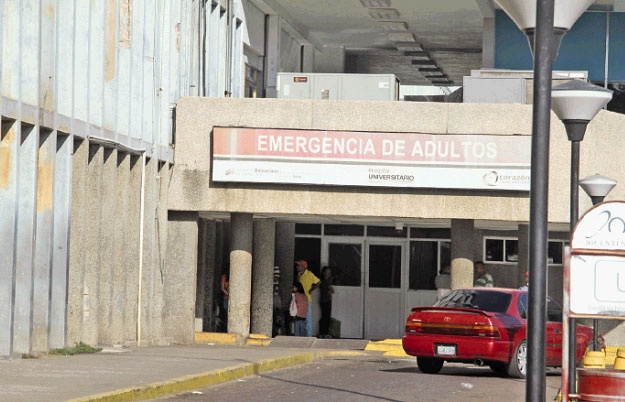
(262, 276)
(77, 244)
(308, 58)
(43, 241)
(180, 276)
(154, 254)
(93, 251)
(25, 236)
(9, 142)
(61, 236)
(131, 264)
(488, 43)
(330, 60)
(461, 253)
(272, 55)
(120, 273)
(108, 232)
(285, 259)
(523, 253)
(240, 275)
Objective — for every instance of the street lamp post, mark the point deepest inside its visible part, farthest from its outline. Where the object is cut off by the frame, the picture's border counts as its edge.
(576, 103)
(544, 22)
(597, 187)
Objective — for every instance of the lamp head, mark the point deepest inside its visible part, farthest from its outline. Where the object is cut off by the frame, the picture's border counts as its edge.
(576, 103)
(597, 187)
(523, 13)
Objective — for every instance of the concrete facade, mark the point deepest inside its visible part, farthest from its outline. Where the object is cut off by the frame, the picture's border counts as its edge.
(192, 190)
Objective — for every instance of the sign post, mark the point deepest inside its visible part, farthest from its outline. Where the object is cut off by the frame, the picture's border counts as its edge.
(594, 275)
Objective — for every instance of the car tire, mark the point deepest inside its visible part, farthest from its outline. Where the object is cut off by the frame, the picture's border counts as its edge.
(429, 365)
(517, 368)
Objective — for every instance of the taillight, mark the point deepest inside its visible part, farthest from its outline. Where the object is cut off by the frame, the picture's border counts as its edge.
(415, 326)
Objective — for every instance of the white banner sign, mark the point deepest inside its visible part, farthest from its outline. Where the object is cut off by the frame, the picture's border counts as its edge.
(256, 155)
(597, 285)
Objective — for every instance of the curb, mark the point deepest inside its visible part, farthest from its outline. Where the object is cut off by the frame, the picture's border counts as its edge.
(207, 379)
(390, 347)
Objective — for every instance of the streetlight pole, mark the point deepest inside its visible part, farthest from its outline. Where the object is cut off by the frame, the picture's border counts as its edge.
(576, 103)
(547, 34)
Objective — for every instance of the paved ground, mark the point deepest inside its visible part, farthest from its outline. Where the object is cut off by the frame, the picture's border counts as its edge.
(123, 374)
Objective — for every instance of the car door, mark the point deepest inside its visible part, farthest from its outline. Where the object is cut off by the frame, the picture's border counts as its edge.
(553, 353)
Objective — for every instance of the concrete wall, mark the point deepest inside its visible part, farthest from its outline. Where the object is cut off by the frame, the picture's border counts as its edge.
(192, 189)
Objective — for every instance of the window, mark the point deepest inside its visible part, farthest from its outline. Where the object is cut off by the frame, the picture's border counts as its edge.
(501, 250)
(555, 252)
(426, 259)
(346, 260)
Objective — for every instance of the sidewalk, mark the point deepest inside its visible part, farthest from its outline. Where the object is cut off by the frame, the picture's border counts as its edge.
(124, 374)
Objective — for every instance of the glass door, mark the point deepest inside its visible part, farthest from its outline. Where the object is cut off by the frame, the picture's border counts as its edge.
(383, 290)
(345, 258)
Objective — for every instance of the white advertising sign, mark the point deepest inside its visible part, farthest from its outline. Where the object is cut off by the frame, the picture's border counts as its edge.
(597, 285)
(597, 267)
(258, 155)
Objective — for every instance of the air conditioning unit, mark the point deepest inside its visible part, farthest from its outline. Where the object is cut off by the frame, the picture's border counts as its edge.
(508, 86)
(338, 86)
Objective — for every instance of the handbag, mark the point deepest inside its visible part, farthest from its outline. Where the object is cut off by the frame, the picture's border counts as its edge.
(293, 307)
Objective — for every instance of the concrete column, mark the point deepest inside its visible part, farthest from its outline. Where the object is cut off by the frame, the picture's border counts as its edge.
(272, 55)
(43, 241)
(488, 43)
(93, 251)
(25, 236)
(61, 236)
(285, 259)
(180, 277)
(308, 58)
(77, 243)
(461, 253)
(131, 264)
(108, 232)
(9, 142)
(240, 275)
(120, 273)
(262, 276)
(330, 60)
(523, 252)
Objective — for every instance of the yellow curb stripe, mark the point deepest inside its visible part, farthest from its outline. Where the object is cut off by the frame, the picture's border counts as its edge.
(202, 380)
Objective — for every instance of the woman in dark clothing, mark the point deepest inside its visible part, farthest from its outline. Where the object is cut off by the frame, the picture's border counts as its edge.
(325, 301)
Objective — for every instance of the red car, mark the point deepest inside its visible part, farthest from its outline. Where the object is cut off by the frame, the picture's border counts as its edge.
(483, 326)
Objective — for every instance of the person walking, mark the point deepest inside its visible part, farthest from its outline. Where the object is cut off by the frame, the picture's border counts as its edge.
(325, 301)
(484, 279)
(310, 282)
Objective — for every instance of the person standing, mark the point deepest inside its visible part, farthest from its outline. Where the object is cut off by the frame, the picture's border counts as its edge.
(225, 297)
(301, 301)
(325, 301)
(443, 281)
(310, 282)
(484, 279)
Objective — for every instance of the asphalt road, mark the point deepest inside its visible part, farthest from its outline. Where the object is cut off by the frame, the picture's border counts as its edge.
(371, 378)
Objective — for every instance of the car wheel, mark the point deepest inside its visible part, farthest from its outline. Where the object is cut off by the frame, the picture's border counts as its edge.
(517, 368)
(429, 365)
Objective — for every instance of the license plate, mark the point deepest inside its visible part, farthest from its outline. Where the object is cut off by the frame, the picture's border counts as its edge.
(446, 350)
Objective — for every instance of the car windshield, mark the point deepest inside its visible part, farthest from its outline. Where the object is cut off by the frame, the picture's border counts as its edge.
(487, 300)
